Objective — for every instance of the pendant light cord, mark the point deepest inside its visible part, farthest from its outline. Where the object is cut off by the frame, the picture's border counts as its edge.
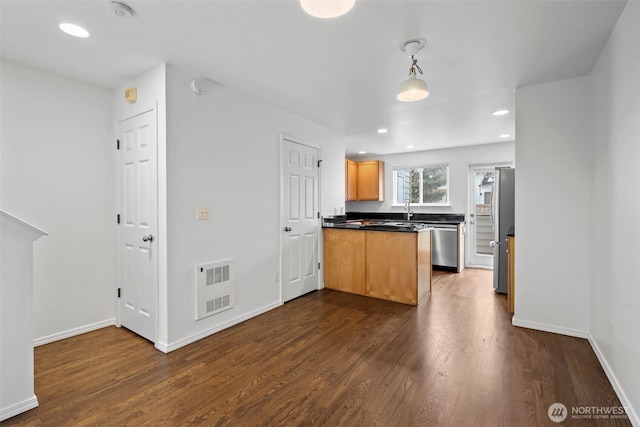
(415, 66)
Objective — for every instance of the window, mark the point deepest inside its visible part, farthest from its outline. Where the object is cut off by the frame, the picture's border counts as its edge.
(428, 185)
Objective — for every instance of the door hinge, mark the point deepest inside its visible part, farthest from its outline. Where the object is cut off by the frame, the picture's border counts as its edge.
(318, 266)
(118, 292)
(319, 161)
(117, 144)
(318, 214)
(118, 218)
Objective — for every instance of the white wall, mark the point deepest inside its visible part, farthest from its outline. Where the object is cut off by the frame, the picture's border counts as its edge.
(223, 152)
(615, 292)
(458, 160)
(553, 206)
(56, 172)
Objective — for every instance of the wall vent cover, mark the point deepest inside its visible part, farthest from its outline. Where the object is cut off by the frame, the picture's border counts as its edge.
(215, 288)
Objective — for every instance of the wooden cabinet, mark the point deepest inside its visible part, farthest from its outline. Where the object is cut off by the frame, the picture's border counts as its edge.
(511, 273)
(393, 266)
(364, 180)
(371, 180)
(351, 180)
(344, 260)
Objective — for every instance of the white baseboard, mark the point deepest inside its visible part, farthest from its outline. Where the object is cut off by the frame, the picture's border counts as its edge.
(624, 400)
(166, 348)
(18, 408)
(73, 332)
(549, 328)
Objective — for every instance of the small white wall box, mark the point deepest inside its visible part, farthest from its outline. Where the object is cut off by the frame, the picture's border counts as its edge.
(215, 288)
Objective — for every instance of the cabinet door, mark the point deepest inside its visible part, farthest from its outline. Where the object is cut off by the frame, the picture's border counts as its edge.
(392, 266)
(351, 180)
(511, 273)
(371, 180)
(344, 260)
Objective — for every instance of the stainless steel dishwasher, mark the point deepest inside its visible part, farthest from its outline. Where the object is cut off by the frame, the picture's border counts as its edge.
(444, 246)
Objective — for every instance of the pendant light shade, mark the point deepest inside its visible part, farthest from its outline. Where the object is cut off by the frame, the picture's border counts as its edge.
(412, 89)
(327, 8)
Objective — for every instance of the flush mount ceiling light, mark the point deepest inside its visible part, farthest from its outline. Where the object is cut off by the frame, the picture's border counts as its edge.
(73, 30)
(120, 9)
(383, 130)
(413, 89)
(327, 8)
(500, 112)
(505, 135)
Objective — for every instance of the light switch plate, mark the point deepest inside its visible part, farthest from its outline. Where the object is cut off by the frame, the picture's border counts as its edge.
(203, 213)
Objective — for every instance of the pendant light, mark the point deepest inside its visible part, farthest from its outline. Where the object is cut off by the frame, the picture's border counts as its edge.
(413, 89)
(327, 8)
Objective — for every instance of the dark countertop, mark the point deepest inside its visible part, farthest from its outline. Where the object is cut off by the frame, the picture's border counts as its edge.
(442, 218)
(379, 226)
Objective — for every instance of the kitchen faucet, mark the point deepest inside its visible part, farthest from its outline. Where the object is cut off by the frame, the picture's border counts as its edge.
(407, 205)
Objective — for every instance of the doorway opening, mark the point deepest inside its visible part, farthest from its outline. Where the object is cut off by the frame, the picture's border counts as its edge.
(480, 226)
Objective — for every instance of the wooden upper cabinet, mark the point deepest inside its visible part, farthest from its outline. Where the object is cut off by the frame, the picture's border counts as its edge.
(371, 180)
(351, 180)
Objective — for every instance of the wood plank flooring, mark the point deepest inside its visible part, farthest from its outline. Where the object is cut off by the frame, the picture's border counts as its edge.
(330, 358)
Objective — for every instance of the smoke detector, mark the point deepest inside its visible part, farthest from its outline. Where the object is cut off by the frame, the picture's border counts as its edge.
(120, 9)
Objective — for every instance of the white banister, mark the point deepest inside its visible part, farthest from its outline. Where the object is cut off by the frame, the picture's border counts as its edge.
(17, 392)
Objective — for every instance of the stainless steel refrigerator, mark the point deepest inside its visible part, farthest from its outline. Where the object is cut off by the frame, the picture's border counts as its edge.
(503, 219)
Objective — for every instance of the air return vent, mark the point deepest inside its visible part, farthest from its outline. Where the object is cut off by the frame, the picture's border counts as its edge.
(215, 288)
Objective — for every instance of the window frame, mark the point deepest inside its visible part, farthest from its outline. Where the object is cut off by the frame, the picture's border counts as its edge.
(421, 168)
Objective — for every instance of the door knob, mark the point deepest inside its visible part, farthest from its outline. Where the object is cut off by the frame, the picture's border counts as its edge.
(148, 238)
(287, 229)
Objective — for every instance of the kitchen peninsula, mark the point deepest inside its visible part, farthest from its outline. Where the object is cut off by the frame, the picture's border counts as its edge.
(381, 259)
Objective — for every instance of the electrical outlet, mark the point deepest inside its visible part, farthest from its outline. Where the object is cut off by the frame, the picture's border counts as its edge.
(276, 276)
(202, 213)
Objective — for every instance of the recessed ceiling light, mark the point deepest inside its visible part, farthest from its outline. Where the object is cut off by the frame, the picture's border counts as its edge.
(362, 152)
(383, 130)
(411, 146)
(505, 135)
(500, 112)
(73, 29)
(327, 8)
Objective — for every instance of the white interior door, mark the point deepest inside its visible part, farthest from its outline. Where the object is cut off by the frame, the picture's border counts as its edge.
(300, 219)
(138, 206)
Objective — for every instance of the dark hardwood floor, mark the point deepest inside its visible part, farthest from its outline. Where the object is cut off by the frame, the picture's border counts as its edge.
(330, 358)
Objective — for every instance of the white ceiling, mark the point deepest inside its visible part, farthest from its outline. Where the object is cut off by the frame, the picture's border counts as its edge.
(342, 73)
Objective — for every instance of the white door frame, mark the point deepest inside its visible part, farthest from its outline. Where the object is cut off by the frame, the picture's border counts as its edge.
(282, 138)
(470, 245)
(158, 235)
